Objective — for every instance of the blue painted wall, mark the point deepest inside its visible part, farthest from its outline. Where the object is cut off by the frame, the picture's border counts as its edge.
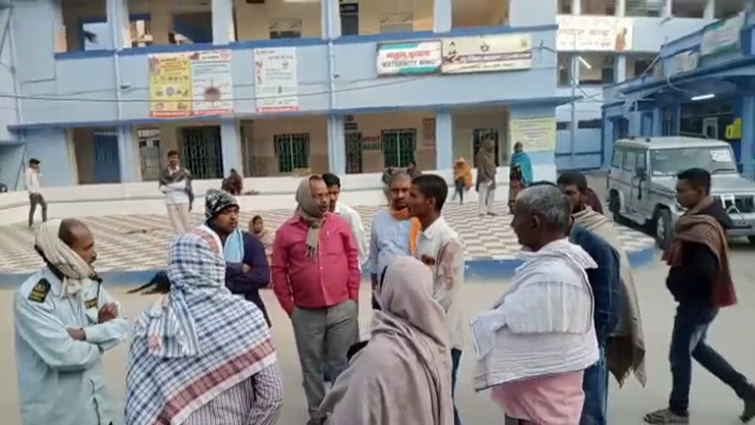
(51, 148)
(11, 166)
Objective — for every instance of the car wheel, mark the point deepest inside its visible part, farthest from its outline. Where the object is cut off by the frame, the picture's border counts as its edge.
(663, 228)
(751, 239)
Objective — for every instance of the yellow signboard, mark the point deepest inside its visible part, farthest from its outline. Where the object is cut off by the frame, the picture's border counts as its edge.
(169, 85)
(734, 131)
(535, 134)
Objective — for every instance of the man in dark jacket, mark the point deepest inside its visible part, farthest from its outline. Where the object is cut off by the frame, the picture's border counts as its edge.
(700, 281)
(247, 269)
(606, 287)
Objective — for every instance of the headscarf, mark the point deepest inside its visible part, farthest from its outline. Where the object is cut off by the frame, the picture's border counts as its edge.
(196, 342)
(486, 170)
(404, 374)
(463, 171)
(65, 260)
(308, 210)
(522, 160)
(215, 202)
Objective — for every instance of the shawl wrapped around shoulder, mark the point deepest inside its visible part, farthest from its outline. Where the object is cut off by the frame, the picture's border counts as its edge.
(626, 347)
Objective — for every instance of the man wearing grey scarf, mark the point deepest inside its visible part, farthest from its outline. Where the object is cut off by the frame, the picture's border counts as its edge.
(316, 278)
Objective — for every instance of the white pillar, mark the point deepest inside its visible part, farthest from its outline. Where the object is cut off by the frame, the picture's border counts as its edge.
(230, 147)
(223, 31)
(330, 19)
(620, 68)
(442, 16)
(119, 21)
(710, 9)
(576, 7)
(444, 148)
(127, 153)
(336, 145)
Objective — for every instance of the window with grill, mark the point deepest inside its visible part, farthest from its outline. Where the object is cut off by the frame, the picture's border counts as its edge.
(149, 153)
(398, 146)
(202, 152)
(667, 127)
(353, 152)
(479, 136)
(397, 22)
(292, 151)
(285, 28)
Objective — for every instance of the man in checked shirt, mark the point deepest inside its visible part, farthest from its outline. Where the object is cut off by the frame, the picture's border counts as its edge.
(605, 281)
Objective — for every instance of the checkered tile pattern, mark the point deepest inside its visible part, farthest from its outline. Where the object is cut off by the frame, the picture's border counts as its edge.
(139, 242)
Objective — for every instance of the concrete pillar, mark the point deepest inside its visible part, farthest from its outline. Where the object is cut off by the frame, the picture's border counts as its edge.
(330, 19)
(747, 148)
(620, 68)
(442, 17)
(223, 31)
(336, 145)
(576, 7)
(230, 146)
(621, 8)
(657, 122)
(669, 9)
(444, 135)
(127, 154)
(118, 19)
(160, 21)
(710, 9)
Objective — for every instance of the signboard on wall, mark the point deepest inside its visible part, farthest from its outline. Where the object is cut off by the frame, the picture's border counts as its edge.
(535, 134)
(685, 62)
(583, 33)
(428, 132)
(722, 35)
(276, 85)
(408, 58)
(487, 53)
(190, 84)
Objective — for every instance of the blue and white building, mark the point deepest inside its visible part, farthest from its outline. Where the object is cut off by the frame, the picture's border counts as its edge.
(703, 85)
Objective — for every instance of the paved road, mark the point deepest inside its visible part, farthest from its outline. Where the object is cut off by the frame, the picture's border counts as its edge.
(712, 402)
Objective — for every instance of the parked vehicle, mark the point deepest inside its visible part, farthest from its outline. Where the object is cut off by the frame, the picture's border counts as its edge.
(642, 183)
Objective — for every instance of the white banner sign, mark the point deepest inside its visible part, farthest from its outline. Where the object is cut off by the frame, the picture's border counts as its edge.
(421, 57)
(487, 53)
(722, 35)
(276, 84)
(593, 33)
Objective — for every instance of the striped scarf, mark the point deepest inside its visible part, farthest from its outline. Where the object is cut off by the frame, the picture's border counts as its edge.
(195, 343)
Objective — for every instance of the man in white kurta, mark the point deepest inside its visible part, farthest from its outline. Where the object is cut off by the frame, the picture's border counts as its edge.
(64, 322)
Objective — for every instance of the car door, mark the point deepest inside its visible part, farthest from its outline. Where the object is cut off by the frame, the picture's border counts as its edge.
(641, 184)
(628, 170)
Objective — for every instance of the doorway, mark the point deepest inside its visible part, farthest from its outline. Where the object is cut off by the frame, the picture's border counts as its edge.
(107, 167)
(710, 127)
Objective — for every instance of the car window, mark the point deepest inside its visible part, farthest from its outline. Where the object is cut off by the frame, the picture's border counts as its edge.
(618, 156)
(642, 160)
(630, 160)
(668, 162)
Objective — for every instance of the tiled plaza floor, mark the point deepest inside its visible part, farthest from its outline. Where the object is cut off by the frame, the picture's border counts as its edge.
(139, 242)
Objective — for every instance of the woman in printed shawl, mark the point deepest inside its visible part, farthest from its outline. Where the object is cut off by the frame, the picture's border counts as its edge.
(521, 173)
(462, 178)
(200, 355)
(403, 374)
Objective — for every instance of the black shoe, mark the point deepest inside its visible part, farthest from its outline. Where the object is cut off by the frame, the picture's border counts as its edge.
(749, 411)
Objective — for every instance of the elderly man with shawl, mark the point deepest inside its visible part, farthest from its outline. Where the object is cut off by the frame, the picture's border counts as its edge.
(700, 281)
(486, 172)
(64, 321)
(201, 355)
(175, 183)
(625, 347)
(316, 279)
(548, 310)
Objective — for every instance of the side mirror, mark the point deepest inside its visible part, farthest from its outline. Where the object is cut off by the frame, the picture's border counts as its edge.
(641, 172)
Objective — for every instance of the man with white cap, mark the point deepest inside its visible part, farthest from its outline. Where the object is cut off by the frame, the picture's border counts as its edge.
(64, 322)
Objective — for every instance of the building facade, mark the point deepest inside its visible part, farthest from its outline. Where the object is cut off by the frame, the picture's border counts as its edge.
(605, 42)
(103, 89)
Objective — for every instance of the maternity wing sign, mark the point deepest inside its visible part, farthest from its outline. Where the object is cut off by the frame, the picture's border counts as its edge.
(422, 57)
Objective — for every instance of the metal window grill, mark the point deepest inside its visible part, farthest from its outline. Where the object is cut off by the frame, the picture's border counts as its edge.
(479, 136)
(149, 153)
(353, 152)
(398, 146)
(202, 152)
(292, 151)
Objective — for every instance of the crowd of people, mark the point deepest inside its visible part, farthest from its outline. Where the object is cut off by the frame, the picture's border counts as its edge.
(203, 353)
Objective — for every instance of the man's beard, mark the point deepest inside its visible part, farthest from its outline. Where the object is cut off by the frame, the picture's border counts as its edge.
(578, 208)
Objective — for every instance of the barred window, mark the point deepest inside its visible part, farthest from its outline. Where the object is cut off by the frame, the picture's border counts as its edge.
(292, 151)
(398, 146)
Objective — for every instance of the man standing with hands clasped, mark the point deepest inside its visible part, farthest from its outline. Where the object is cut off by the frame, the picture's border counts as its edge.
(64, 321)
(316, 279)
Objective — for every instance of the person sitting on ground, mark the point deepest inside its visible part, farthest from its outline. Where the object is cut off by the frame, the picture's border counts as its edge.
(234, 183)
(201, 350)
(403, 374)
